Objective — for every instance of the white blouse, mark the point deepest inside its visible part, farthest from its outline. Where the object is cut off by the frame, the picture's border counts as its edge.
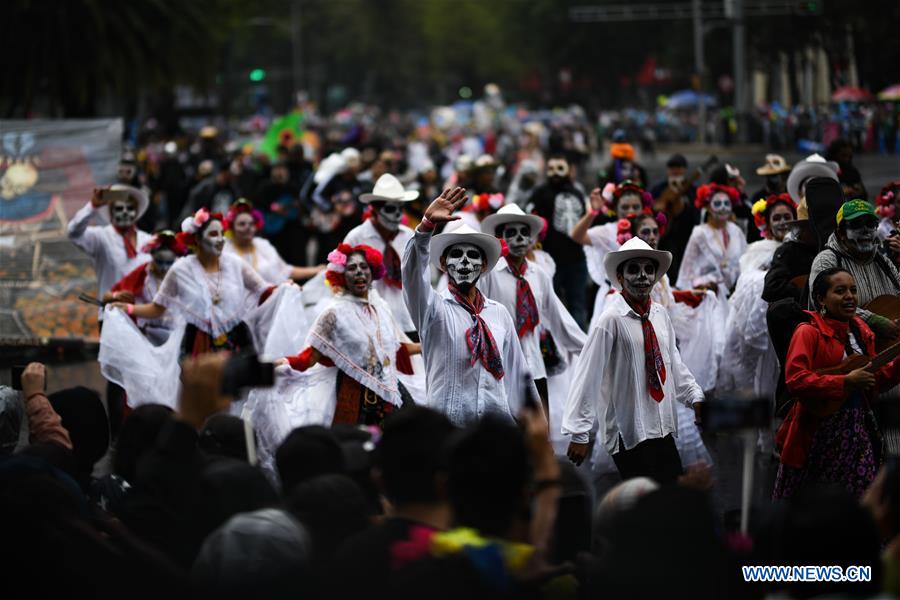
(192, 292)
(368, 235)
(707, 259)
(264, 259)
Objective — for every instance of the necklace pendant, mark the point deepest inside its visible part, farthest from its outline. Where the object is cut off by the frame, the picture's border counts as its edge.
(216, 299)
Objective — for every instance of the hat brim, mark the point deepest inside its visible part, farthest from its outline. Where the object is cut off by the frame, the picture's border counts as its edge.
(491, 222)
(488, 244)
(142, 200)
(767, 170)
(612, 261)
(806, 170)
(407, 196)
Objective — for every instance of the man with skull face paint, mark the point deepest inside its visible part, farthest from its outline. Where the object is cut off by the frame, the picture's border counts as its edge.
(473, 359)
(115, 249)
(562, 203)
(854, 246)
(630, 374)
(712, 256)
(527, 292)
(384, 232)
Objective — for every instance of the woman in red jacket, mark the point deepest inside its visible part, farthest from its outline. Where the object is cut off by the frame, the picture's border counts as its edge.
(843, 448)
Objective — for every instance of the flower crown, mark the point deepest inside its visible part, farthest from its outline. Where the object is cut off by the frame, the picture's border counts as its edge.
(624, 227)
(612, 193)
(885, 200)
(762, 206)
(165, 240)
(337, 263)
(193, 224)
(239, 208)
(706, 192)
(487, 202)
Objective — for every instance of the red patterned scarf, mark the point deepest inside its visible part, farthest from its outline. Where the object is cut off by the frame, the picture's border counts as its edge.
(653, 361)
(392, 275)
(126, 233)
(478, 337)
(527, 316)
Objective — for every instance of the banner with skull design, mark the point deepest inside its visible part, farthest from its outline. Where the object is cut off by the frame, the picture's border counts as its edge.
(48, 169)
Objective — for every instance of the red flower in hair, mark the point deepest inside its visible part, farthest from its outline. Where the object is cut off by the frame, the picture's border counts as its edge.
(504, 249)
(335, 280)
(375, 260)
(623, 231)
(239, 208)
(706, 192)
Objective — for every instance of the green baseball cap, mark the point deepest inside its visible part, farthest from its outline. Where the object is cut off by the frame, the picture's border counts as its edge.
(854, 209)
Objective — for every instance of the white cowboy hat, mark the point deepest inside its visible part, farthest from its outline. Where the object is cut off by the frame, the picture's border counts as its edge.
(511, 213)
(465, 235)
(635, 248)
(775, 165)
(140, 197)
(389, 189)
(814, 166)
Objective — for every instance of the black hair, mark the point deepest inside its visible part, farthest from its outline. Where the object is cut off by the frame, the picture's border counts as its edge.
(677, 160)
(332, 508)
(82, 414)
(636, 222)
(224, 435)
(620, 269)
(137, 435)
(411, 453)
(558, 156)
(489, 471)
(306, 453)
(823, 282)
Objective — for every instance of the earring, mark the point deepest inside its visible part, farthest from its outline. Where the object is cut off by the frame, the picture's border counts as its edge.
(822, 310)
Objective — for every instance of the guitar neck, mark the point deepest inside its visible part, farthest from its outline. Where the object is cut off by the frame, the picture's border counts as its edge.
(885, 356)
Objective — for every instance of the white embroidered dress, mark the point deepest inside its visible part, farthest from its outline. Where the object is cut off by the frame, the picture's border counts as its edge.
(264, 259)
(708, 259)
(368, 235)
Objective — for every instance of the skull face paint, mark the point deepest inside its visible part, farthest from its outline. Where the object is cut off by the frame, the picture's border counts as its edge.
(123, 212)
(648, 230)
(629, 204)
(779, 218)
(637, 277)
(244, 228)
(861, 235)
(163, 259)
(557, 170)
(464, 263)
(389, 215)
(357, 275)
(518, 238)
(720, 207)
(213, 239)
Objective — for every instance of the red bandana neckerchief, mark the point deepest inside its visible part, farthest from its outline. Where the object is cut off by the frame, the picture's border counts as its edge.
(126, 232)
(527, 316)
(478, 337)
(653, 361)
(392, 275)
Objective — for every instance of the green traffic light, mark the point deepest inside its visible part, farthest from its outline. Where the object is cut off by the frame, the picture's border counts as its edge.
(257, 75)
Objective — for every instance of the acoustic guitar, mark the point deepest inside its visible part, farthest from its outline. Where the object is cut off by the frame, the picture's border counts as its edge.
(825, 408)
(671, 200)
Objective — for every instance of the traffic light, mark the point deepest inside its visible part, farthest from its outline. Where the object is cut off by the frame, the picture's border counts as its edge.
(257, 74)
(810, 7)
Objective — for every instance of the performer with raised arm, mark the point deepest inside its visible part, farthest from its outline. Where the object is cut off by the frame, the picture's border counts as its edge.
(473, 359)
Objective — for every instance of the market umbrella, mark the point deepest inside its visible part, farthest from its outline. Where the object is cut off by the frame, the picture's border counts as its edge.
(689, 99)
(889, 93)
(850, 94)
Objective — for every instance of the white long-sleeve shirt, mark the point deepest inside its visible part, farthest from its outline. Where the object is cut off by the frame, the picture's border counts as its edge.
(462, 391)
(500, 285)
(610, 381)
(106, 248)
(368, 235)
